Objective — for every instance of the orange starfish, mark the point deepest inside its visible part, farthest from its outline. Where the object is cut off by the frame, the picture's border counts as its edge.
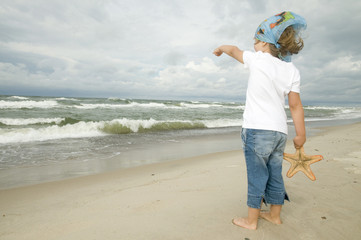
(301, 162)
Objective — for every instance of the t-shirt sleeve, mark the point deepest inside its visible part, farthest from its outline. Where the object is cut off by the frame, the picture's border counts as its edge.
(296, 82)
(248, 57)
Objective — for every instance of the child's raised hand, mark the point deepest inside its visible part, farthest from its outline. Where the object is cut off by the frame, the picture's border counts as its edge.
(218, 52)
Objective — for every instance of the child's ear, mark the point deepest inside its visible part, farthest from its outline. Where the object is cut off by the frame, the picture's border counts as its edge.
(267, 46)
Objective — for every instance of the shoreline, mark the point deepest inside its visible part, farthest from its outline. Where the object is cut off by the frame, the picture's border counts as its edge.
(201, 194)
(149, 153)
(142, 155)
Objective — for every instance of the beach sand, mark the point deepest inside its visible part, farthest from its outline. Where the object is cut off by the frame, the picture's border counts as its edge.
(193, 198)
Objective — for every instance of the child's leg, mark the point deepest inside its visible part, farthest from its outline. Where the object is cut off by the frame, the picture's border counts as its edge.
(274, 215)
(275, 190)
(250, 222)
(257, 145)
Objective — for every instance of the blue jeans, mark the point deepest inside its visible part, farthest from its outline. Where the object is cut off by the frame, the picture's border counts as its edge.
(263, 150)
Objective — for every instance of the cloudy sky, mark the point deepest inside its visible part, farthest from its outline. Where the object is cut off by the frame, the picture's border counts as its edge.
(162, 49)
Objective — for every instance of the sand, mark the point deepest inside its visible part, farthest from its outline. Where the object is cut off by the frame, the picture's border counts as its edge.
(193, 198)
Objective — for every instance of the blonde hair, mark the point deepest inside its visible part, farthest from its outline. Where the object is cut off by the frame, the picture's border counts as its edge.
(290, 43)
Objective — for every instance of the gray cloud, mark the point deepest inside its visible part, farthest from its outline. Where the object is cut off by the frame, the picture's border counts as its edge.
(163, 49)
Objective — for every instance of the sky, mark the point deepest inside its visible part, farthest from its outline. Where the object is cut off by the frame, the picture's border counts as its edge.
(162, 49)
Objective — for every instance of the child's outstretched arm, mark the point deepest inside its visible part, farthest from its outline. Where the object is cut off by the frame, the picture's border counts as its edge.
(232, 51)
(298, 117)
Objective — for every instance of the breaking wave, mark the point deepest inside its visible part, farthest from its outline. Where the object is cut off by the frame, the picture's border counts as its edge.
(72, 128)
(28, 104)
(30, 121)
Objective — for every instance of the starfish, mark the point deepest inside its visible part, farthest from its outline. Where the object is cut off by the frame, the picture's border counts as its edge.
(301, 162)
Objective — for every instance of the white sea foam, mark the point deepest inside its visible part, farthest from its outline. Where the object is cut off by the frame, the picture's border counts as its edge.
(134, 125)
(239, 107)
(210, 105)
(29, 121)
(115, 106)
(27, 104)
(350, 113)
(219, 123)
(66, 99)
(18, 97)
(155, 105)
(322, 108)
(182, 105)
(199, 105)
(78, 130)
(93, 129)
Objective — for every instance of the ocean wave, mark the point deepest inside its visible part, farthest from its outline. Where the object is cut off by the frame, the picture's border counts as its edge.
(29, 121)
(118, 128)
(28, 104)
(67, 129)
(353, 110)
(115, 106)
(78, 130)
(211, 105)
(199, 105)
(19, 97)
(66, 99)
(219, 123)
(322, 108)
(110, 103)
(167, 105)
(68, 120)
(124, 126)
(349, 114)
(117, 99)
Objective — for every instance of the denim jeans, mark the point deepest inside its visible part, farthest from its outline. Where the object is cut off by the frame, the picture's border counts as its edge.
(263, 150)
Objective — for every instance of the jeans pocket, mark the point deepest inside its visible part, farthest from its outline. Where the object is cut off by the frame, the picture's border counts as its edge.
(264, 142)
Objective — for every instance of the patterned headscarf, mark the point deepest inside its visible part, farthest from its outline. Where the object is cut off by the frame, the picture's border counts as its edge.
(271, 29)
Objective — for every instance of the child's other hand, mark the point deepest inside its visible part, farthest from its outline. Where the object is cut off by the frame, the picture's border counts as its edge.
(298, 141)
(217, 52)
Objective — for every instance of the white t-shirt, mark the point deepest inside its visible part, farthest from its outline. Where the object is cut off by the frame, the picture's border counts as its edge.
(270, 81)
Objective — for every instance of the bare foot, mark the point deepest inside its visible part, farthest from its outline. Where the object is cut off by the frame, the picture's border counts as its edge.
(267, 216)
(243, 222)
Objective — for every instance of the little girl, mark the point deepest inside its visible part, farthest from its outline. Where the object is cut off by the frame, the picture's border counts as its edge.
(264, 130)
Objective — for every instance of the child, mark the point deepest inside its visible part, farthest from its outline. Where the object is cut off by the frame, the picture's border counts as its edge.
(264, 131)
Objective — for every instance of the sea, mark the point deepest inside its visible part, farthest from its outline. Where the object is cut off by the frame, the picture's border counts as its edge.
(51, 138)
